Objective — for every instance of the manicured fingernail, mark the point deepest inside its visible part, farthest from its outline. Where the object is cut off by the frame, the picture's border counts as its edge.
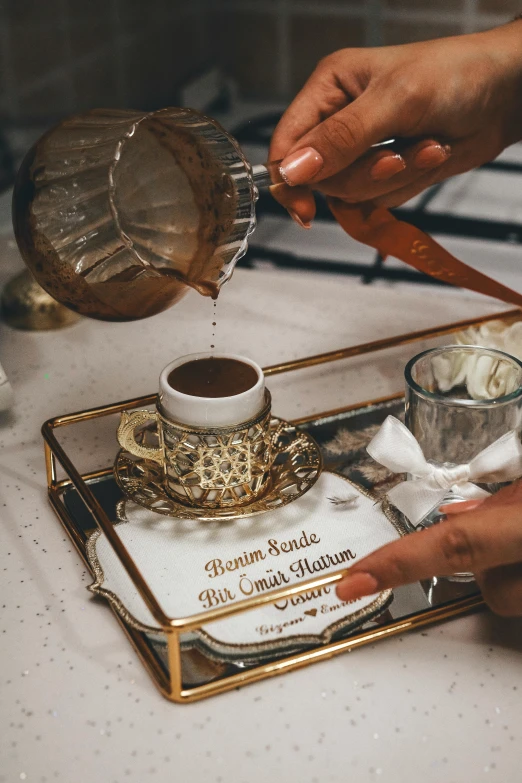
(387, 167)
(432, 156)
(460, 508)
(299, 167)
(356, 586)
(293, 214)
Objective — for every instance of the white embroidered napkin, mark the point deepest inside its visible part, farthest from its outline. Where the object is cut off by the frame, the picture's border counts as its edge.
(192, 566)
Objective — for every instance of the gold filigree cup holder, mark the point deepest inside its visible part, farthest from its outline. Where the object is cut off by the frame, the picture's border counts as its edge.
(295, 467)
(221, 467)
(86, 501)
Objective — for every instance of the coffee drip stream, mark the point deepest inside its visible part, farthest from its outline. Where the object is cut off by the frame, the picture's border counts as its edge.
(118, 214)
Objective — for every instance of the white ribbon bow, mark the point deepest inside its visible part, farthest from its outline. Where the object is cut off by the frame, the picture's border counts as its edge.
(397, 449)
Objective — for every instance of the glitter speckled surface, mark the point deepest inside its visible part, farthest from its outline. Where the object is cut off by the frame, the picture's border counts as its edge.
(440, 706)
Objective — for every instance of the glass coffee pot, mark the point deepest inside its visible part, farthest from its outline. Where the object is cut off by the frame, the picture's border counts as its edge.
(119, 213)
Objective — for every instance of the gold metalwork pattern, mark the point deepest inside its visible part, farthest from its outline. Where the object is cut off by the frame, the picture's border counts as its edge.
(206, 467)
(217, 468)
(126, 434)
(295, 467)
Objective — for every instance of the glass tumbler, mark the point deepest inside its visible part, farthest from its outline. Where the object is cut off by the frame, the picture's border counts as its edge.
(459, 400)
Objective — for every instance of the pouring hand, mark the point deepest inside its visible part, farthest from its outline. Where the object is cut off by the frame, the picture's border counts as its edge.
(454, 103)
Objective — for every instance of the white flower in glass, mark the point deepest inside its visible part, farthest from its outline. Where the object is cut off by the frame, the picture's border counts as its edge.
(484, 377)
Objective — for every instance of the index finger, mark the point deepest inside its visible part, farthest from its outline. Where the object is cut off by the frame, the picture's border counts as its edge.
(474, 541)
(320, 97)
(342, 138)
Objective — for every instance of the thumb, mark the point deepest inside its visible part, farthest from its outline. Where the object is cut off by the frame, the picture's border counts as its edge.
(340, 139)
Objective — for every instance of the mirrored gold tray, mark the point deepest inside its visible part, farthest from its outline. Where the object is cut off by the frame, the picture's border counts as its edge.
(86, 500)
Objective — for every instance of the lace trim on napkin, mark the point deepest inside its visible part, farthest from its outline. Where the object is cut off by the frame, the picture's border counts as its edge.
(213, 646)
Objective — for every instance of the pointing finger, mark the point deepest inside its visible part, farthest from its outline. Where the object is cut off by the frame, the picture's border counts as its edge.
(475, 541)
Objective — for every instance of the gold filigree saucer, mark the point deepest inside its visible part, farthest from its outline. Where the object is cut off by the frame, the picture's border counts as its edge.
(296, 467)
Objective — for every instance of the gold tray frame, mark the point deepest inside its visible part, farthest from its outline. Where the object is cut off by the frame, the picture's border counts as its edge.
(171, 685)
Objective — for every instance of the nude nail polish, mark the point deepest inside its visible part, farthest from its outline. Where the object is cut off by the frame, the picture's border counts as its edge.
(432, 156)
(301, 166)
(387, 167)
(461, 507)
(356, 586)
(293, 214)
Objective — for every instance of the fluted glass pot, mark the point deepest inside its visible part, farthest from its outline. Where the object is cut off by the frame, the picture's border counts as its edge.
(119, 213)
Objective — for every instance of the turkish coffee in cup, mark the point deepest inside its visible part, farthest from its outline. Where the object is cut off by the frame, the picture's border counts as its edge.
(213, 417)
(214, 376)
(205, 390)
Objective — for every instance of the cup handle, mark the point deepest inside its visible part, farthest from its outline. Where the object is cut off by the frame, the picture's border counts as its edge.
(126, 437)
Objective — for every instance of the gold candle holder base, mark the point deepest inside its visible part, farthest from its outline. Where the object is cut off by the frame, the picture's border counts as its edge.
(25, 305)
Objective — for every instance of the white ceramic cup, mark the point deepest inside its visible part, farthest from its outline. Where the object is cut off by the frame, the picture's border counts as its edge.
(214, 451)
(210, 411)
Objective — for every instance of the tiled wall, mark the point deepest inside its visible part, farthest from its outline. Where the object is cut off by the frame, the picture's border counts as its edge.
(60, 56)
(272, 46)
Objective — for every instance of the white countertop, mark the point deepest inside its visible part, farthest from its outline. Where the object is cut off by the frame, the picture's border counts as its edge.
(77, 706)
